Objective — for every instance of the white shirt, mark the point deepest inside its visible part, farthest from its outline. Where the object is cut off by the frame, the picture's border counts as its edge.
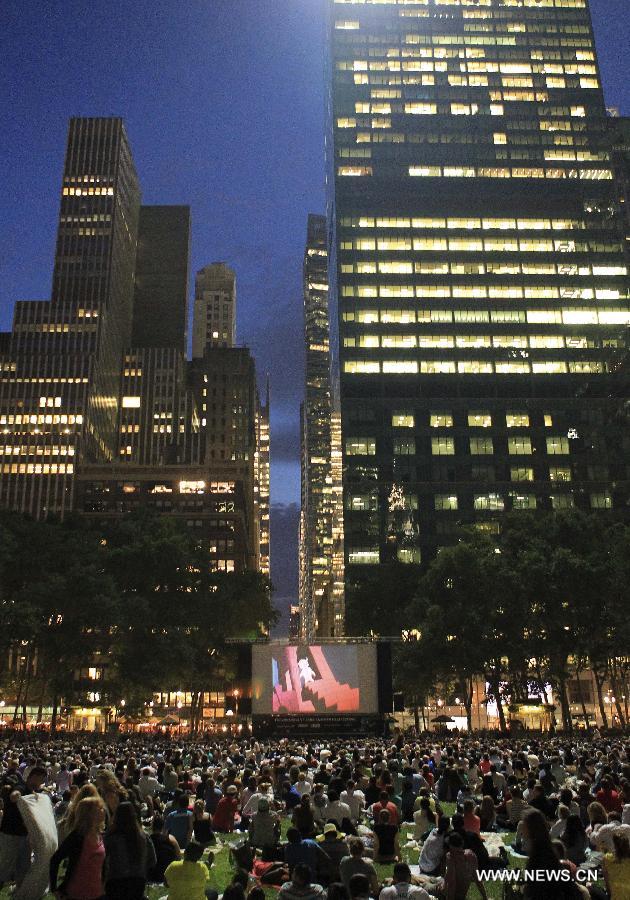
(303, 787)
(338, 811)
(356, 802)
(432, 852)
(602, 839)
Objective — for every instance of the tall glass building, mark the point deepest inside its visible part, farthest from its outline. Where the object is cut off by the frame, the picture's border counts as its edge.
(478, 268)
(321, 529)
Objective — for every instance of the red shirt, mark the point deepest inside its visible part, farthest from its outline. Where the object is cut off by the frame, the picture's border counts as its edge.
(392, 809)
(223, 818)
(610, 800)
(472, 823)
(86, 882)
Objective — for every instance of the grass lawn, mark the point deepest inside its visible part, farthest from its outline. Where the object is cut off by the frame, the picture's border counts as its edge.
(221, 871)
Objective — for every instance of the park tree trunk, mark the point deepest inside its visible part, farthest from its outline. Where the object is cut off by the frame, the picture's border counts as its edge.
(614, 680)
(582, 702)
(567, 724)
(53, 717)
(599, 683)
(495, 685)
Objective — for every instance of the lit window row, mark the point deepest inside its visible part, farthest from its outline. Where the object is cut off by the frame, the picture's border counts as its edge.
(509, 292)
(469, 341)
(421, 171)
(468, 223)
(37, 469)
(575, 316)
(26, 450)
(469, 367)
(29, 419)
(88, 191)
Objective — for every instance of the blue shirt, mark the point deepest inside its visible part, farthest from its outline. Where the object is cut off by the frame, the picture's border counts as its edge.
(177, 823)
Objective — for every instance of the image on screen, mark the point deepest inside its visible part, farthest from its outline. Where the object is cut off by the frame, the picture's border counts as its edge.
(302, 679)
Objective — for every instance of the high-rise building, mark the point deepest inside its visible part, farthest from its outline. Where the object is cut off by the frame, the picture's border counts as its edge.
(214, 315)
(59, 397)
(160, 303)
(321, 592)
(262, 481)
(478, 266)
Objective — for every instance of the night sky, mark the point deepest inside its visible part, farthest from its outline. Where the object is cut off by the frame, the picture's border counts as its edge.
(224, 105)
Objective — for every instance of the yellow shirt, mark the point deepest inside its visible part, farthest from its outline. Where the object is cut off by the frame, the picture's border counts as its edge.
(186, 880)
(618, 877)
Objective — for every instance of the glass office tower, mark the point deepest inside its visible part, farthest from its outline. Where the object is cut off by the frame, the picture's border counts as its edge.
(478, 268)
(321, 529)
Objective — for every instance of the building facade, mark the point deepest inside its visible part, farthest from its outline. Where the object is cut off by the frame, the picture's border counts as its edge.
(59, 387)
(321, 592)
(478, 267)
(160, 302)
(214, 323)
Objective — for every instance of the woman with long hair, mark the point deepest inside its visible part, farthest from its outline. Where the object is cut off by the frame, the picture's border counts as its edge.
(130, 856)
(84, 850)
(542, 858)
(575, 840)
(66, 825)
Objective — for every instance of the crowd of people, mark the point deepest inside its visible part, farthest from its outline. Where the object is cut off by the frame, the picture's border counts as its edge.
(349, 820)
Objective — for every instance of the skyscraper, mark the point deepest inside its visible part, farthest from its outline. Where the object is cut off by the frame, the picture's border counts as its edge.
(214, 317)
(478, 265)
(59, 398)
(160, 303)
(321, 593)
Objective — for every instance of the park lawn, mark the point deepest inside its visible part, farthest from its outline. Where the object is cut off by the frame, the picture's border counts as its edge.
(221, 871)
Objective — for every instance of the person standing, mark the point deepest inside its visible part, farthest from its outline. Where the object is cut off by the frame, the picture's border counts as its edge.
(15, 850)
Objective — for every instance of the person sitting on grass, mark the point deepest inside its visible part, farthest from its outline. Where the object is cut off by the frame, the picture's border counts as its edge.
(301, 887)
(402, 888)
(461, 870)
(387, 848)
(358, 864)
(187, 878)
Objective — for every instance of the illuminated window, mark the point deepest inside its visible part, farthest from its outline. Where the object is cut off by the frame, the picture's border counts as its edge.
(404, 448)
(557, 445)
(481, 446)
(521, 473)
(560, 473)
(517, 420)
(192, 487)
(131, 402)
(601, 501)
(488, 502)
(445, 501)
(359, 446)
(366, 557)
(479, 419)
(523, 501)
(400, 367)
(562, 501)
(441, 420)
(443, 446)
(519, 446)
(403, 420)
(409, 555)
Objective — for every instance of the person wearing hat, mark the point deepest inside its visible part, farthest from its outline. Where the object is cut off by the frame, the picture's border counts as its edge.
(264, 828)
(334, 845)
(225, 814)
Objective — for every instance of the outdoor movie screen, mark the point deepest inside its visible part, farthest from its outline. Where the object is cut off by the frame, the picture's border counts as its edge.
(290, 679)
